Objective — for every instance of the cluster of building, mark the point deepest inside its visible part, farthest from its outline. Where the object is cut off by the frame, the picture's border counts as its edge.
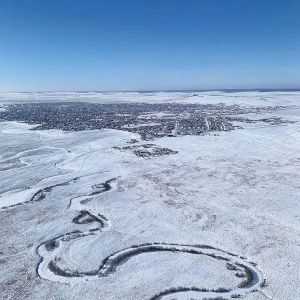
(149, 120)
(271, 120)
(147, 150)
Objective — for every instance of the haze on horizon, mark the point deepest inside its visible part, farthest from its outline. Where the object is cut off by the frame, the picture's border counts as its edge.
(131, 45)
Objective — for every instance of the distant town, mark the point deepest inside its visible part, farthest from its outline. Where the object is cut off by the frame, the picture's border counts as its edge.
(150, 121)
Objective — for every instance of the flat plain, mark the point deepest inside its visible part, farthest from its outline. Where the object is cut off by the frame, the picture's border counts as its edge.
(150, 196)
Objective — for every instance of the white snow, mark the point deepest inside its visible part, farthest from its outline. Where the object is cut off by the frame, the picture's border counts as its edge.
(214, 97)
(237, 192)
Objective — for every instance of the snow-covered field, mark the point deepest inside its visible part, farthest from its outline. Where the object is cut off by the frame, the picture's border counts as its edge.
(214, 97)
(81, 219)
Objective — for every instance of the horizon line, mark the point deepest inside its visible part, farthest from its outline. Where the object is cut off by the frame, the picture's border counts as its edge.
(162, 90)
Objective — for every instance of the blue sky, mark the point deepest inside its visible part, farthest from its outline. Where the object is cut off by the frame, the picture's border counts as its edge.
(71, 45)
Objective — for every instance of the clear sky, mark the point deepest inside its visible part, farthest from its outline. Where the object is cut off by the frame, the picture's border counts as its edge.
(72, 45)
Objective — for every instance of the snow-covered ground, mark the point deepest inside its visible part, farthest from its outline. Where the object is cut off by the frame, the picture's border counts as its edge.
(81, 219)
(213, 97)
